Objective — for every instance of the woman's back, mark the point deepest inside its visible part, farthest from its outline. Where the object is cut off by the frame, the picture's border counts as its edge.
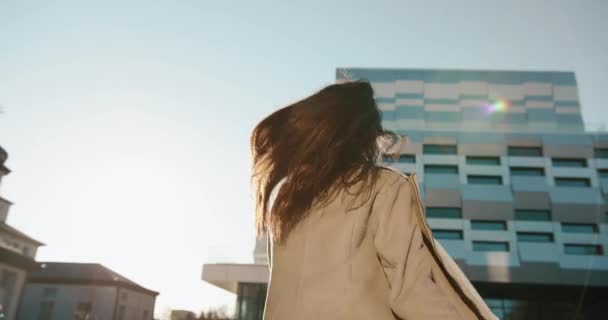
(364, 263)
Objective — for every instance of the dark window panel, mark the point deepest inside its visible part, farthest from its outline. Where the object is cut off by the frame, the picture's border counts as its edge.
(484, 179)
(389, 158)
(447, 234)
(443, 212)
(579, 227)
(407, 158)
(571, 163)
(535, 237)
(490, 246)
(483, 160)
(532, 215)
(488, 225)
(583, 249)
(527, 171)
(440, 168)
(443, 149)
(525, 151)
(572, 182)
(601, 153)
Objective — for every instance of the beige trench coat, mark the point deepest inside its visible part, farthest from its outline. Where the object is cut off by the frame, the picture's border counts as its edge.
(377, 261)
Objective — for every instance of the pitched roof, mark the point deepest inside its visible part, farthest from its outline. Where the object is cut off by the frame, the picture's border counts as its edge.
(16, 233)
(83, 274)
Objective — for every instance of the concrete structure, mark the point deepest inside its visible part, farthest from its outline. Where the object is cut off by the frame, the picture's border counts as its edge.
(514, 187)
(17, 254)
(59, 291)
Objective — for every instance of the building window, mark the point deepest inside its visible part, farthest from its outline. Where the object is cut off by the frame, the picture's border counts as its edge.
(601, 153)
(583, 249)
(532, 215)
(387, 158)
(8, 288)
(572, 182)
(488, 225)
(442, 149)
(250, 301)
(122, 312)
(525, 151)
(124, 296)
(83, 311)
(516, 309)
(527, 171)
(440, 169)
(443, 212)
(483, 160)
(45, 311)
(49, 292)
(535, 237)
(145, 315)
(603, 173)
(570, 163)
(484, 179)
(490, 246)
(407, 158)
(579, 227)
(447, 234)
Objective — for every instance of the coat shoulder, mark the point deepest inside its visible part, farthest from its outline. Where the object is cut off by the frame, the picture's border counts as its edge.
(389, 178)
(389, 174)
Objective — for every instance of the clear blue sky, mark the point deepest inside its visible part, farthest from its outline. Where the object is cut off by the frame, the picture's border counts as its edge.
(128, 124)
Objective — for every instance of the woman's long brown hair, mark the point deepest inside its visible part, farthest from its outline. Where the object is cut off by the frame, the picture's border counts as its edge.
(324, 143)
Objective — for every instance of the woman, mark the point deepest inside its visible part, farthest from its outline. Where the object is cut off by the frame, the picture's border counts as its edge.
(344, 238)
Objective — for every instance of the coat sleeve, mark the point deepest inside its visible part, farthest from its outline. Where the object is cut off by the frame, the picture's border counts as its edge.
(405, 259)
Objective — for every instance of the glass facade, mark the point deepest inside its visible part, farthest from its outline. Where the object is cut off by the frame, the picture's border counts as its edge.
(510, 194)
(543, 302)
(518, 309)
(250, 301)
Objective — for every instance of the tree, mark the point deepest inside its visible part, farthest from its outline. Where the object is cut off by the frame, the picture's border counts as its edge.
(214, 314)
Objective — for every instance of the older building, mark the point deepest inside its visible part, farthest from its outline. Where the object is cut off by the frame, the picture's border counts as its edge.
(60, 291)
(17, 254)
(515, 189)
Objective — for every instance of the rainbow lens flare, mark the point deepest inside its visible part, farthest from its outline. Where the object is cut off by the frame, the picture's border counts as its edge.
(498, 106)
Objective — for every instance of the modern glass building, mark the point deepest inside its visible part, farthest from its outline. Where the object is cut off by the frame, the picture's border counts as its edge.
(514, 187)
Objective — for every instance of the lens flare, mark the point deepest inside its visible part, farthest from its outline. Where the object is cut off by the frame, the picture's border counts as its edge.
(500, 105)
